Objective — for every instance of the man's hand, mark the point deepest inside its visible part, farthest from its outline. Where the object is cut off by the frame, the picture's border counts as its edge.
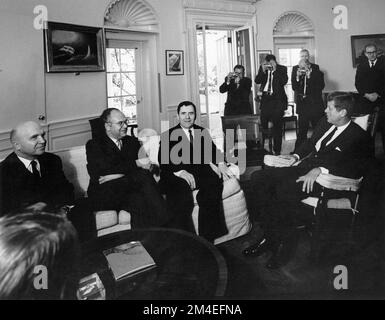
(109, 177)
(372, 97)
(309, 179)
(222, 170)
(189, 178)
(144, 163)
(37, 207)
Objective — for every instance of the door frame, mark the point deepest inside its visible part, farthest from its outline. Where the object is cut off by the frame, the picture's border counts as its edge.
(198, 17)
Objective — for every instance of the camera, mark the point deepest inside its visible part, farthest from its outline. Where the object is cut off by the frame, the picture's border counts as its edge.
(302, 70)
(269, 67)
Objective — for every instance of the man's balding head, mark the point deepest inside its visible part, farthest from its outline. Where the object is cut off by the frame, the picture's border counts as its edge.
(28, 140)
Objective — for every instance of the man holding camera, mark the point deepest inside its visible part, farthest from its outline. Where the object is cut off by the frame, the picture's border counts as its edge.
(273, 77)
(308, 82)
(238, 88)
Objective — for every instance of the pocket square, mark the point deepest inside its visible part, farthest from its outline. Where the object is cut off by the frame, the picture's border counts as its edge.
(338, 149)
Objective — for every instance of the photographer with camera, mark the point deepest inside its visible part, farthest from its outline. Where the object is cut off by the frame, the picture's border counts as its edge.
(238, 88)
(307, 82)
(272, 78)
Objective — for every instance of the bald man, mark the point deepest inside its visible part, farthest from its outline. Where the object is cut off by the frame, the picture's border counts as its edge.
(30, 178)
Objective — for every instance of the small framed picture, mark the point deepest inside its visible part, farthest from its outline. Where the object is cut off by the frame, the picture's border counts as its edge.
(261, 55)
(174, 62)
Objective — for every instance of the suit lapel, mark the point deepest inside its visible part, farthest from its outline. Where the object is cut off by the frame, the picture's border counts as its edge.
(342, 137)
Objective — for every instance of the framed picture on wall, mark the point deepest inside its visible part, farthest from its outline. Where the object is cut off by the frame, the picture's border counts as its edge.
(73, 48)
(261, 55)
(359, 43)
(174, 62)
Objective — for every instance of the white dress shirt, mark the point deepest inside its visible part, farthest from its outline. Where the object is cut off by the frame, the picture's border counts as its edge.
(339, 130)
(27, 164)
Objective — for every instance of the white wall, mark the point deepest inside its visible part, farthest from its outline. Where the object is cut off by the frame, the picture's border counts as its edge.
(25, 89)
(333, 48)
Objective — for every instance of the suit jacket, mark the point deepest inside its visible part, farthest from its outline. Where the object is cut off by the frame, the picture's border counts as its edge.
(314, 86)
(347, 155)
(237, 98)
(168, 147)
(18, 188)
(369, 80)
(104, 158)
(279, 81)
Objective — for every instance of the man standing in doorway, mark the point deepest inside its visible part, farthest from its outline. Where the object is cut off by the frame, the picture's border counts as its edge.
(273, 77)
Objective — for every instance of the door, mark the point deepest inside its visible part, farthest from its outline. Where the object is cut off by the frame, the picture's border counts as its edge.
(243, 41)
(219, 49)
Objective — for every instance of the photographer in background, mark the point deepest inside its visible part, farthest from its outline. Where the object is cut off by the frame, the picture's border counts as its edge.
(307, 82)
(238, 88)
(273, 77)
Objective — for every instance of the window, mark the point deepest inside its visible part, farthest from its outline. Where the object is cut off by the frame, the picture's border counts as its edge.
(122, 81)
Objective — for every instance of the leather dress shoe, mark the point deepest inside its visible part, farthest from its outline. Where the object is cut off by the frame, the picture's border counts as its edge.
(257, 249)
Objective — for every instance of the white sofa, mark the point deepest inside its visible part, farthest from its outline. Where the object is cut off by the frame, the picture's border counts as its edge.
(234, 203)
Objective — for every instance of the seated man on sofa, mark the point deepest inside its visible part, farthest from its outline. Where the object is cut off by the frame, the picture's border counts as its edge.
(32, 179)
(338, 146)
(189, 160)
(118, 180)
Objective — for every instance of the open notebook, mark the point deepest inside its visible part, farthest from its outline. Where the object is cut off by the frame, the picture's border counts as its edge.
(128, 259)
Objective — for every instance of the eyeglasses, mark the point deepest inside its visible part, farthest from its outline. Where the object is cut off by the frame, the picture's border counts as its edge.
(370, 52)
(121, 123)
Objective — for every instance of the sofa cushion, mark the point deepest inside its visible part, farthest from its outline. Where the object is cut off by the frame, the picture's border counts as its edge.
(124, 217)
(75, 168)
(105, 219)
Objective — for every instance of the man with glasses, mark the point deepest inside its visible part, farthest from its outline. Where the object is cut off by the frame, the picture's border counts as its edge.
(118, 179)
(370, 84)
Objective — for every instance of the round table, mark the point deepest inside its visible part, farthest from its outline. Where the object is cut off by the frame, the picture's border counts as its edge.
(188, 267)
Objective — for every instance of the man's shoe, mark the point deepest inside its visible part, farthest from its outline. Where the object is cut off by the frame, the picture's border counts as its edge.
(257, 249)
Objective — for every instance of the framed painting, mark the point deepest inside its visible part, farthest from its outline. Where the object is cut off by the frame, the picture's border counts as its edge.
(359, 43)
(73, 48)
(174, 62)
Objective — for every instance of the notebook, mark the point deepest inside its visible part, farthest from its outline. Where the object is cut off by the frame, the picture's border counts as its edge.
(128, 259)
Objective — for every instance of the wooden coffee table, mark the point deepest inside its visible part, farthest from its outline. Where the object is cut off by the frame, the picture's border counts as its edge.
(188, 267)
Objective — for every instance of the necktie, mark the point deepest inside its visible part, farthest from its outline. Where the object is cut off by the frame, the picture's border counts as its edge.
(371, 64)
(191, 145)
(269, 89)
(35, 172)
(327, 139)
(119, 144)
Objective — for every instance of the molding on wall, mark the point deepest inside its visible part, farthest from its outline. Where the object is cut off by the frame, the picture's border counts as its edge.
(62, 134)
(247, 7)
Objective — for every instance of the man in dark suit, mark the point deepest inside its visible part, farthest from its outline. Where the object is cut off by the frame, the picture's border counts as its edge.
(189, 160)
(338, 146)
(32, 179)
(238, 88)
(370, 84)
(307, 82)
(118, 179)
(273, 77)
